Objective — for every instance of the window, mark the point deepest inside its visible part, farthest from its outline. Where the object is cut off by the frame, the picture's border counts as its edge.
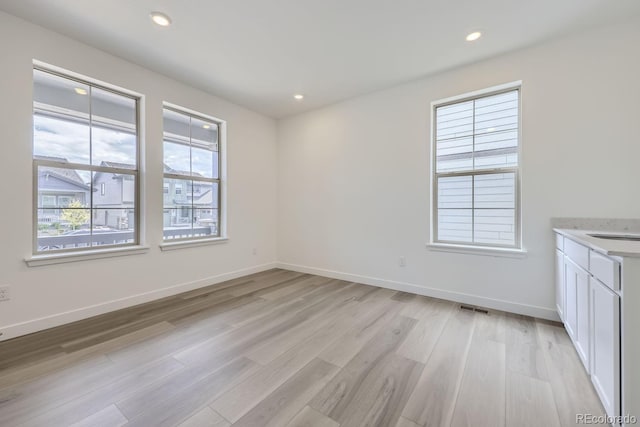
(48, 201)
(85, 137)
(191, 175)
(476, 170)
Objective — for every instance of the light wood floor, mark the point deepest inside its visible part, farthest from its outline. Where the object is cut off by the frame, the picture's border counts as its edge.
(287, 349)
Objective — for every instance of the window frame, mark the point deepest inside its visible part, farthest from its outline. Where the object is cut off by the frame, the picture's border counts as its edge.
(471, 247)
(36, 163)
(221, 181)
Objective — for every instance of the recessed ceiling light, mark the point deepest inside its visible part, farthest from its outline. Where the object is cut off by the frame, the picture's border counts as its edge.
(160, 19)
(206, 126)
(474, 36)
(80, 91)
(298, 96)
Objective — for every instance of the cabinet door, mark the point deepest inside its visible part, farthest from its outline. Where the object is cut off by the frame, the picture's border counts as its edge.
(605, 345)
(571, 299)
(577, 309)
(560, 287)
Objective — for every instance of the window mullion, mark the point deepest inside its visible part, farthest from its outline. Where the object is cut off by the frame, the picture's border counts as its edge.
(192, 213)
(473, 208)
(473, 177)
(91, 174)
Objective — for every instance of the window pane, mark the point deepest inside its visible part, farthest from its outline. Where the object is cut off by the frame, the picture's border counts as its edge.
(177, 158)
(176, 126)
(454, 154)
(119, 190)
(202, 162)
(494, 191)
(204, 133)
(454, 121)
(179, 193)
(61, 118)
(455, 225)
(494, 226)
(206, 222)
(455, 192)
(178, 222)
(60, 139)
(113, 110)
(113, 226)
(496, 150)
(496, 131)
(63, 228)
(205, 195)
(454, 209)
(496, 113)
(494, 213)
(208, 196)
(60, 188)
(114, 130)
(60, 95)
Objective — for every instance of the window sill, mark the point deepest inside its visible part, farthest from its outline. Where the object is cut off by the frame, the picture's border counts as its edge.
(60, 258)
(478, 250)
(181, 244)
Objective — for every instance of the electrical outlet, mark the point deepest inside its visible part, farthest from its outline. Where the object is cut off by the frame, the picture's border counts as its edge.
(402, 262)
(4, 293)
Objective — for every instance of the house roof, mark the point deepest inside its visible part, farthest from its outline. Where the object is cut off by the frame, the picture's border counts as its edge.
(113, 165)
(169, 169)
(205, 198)
(117, 165)
(68, 175)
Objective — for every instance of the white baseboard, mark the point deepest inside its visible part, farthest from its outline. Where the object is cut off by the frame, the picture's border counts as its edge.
(476, 300)
(24, 328)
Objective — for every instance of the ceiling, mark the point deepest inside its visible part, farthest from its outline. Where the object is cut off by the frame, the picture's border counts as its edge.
(258, 53)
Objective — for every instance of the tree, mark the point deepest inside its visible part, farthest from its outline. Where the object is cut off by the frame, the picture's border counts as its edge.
(75, 215)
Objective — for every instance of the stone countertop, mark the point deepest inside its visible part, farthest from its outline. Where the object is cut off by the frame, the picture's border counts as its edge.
(621, 248)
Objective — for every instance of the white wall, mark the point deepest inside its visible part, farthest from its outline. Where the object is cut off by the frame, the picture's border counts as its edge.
(353, 178)
(65, 292)
(350, 180)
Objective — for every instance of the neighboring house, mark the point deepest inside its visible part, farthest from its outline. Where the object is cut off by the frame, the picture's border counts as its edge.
(192, 200)
(114, 198)
(57, 189)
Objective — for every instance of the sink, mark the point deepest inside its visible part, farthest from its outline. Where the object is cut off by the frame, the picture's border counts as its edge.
(627, 237)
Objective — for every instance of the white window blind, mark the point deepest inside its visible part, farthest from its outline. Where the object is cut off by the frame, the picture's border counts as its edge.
(476, 171)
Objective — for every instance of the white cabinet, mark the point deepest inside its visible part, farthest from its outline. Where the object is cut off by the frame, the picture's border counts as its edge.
(577, 308)
(560, 287)
(605, 345)
(589, 301)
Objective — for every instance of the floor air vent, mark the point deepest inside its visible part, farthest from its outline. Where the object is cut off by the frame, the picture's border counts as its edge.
(470, 308)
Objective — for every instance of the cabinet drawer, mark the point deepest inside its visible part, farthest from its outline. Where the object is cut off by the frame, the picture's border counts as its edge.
(577, 253)
(560, 242)
(605, 269)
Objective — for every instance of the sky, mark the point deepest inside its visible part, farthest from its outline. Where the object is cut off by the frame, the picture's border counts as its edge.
(71, 140)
